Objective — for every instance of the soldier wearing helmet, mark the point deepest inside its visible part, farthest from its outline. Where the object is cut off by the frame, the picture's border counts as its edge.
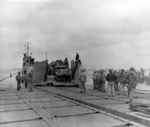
(132, 80)
(18, 79)
(94, 80)
(82, 79)
(30, 79)
(121, 84)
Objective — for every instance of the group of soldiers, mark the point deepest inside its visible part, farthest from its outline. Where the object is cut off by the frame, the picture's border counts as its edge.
(99, 80)
(117, 81)
(27, 79)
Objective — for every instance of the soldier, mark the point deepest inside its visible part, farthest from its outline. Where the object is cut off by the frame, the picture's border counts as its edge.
(102, 81)
(94, 80)
(25, 80)
(66, 62)
(18, 79)
(111, 78)
(116, 82)
(98, 77)
(30, 80)
(121, 79)
(82, 79)
(132, 80)
(99, 80)
(77, 57)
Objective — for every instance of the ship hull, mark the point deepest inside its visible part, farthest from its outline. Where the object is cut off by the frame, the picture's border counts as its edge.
(39, 71)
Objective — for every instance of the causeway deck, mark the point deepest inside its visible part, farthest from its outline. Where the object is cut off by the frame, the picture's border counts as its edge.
(66, 107)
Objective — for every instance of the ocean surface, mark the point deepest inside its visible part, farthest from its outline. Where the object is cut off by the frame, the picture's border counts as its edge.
(9, 81)
(12, 82)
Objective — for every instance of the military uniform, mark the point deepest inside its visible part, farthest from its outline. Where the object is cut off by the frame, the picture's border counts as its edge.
(102, 81)
(99, 82)
(94, 80)
(82, 79)
(121, 78)
(131, 80)
(26, 81)
(18, 79)
(116, 82)
(30, 79)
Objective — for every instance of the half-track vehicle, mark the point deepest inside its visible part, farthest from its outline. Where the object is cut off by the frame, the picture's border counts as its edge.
(62, 73)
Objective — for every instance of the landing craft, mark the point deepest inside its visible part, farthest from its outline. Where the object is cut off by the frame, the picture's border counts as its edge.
(62, 75)
(39, 68)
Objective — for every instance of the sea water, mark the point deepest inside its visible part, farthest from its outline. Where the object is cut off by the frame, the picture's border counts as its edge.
(10, 81)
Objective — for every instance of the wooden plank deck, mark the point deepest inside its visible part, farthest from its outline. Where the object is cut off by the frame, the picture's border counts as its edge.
(40, 108)
(116, 106)
(34, 123)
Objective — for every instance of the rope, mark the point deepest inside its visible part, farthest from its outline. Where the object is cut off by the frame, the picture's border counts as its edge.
(87, 73)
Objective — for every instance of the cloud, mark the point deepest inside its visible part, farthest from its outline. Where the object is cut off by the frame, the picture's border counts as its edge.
(108, 33)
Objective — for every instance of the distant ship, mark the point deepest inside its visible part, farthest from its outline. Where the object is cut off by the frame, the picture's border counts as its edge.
(16, 69)
(39, 68)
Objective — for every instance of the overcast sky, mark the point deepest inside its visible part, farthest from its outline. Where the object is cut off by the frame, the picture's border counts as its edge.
(105, 33)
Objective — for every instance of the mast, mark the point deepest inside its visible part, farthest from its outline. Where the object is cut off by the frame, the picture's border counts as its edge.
(24, 48)
(27, 48)
(46, 55)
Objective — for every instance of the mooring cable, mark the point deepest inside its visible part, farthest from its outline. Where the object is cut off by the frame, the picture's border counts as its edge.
(14, 74)
(87, 72)
(8, 77)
